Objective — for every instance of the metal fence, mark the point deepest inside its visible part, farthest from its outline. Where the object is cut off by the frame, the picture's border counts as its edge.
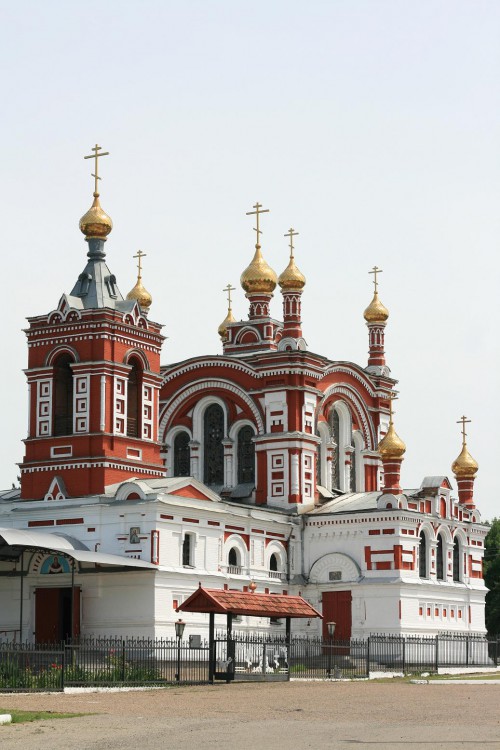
(111, 662)
(105, 662)
(324, 659)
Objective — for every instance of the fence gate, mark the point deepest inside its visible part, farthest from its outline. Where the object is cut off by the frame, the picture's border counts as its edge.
(250, 658)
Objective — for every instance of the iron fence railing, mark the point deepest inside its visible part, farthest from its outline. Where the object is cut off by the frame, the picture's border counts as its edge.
(241, 656)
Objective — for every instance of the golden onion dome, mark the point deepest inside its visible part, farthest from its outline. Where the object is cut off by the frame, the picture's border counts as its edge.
(391, 445)
(258, 277)
(292, 279)
(141, 294)
(376, 312)
(222, 329)
(464, 466)
(96, 223)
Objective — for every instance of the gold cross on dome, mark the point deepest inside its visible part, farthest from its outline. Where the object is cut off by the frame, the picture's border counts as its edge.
(375, 270)
(140, 255)
(229, 289)
(463, 421)
(96, 149)
(291, 233)
(392, 397)
(258, 211)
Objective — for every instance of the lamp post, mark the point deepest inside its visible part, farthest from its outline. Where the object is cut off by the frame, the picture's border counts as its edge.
(331, 633)
(179, 630)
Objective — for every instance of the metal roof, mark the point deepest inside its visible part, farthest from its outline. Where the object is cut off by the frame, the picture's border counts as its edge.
(248, 603)
(13, 542)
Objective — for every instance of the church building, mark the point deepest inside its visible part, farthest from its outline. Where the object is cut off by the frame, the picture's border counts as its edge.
(266, 463)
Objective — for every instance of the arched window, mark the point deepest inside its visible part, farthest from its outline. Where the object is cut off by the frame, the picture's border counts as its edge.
(422, 556)
(182, 455)
(353, 472)
(335, 427)
(246, 456)
(319, 461)
(273, 563)
(188, 550)
(133, 399)
(63, 395)
(456, 560)
(213, 450)
(234, 561)
(440, 559)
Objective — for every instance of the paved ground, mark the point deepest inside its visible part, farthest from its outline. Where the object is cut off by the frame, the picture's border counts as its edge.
(295, 715)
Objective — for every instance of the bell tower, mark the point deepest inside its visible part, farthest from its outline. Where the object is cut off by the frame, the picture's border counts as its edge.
(93, 378)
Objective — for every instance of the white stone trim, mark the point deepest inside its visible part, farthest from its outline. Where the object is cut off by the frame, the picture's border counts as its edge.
(120, 388)
(171, 406)
(276, 548)
(44, 407)
(334, 561)
(233, 435)
(169, 445)
(344, 389)
(81, 403)
(230, 363)
(102, 417)
(235, 540)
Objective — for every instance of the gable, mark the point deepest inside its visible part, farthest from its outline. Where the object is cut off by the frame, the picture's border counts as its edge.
(190, 491)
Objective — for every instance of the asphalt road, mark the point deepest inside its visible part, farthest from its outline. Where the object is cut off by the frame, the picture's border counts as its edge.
(295, 715)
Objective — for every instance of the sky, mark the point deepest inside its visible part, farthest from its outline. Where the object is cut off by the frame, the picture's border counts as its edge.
(371, 127)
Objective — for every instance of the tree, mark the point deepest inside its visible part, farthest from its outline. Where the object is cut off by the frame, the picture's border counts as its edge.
(492, 577)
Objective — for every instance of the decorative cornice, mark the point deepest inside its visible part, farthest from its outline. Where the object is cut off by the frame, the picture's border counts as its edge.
(174, 371)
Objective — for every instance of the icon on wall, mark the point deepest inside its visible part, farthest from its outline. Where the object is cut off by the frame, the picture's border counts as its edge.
(134, 535)
(54, 564)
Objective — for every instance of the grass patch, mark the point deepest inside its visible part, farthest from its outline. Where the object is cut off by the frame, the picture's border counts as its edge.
(18, 717)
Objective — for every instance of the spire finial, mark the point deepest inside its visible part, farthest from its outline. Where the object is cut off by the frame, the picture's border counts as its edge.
(375, 270)
(140, 255)
(392, 398)
(258, 211)
(291, 234)
(97, 153)
(375, 312)
(463, 421)
(96, 224)
(139, 293)
(229, 289)
(222, 330)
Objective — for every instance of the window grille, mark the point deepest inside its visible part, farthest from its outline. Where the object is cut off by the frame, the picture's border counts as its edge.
(440, 561)
(182, 455)
(456, 560)
(133, 404)
(246, 456)
(213, 423)
(187, 550)
(335, 428)
(422, 556)
(63, 396)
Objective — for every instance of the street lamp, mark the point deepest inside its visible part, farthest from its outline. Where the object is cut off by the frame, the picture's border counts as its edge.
(331, 633)
(179, 630)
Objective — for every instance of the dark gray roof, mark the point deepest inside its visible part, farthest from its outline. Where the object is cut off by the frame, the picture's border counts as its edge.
(96, 285)
(13, 494)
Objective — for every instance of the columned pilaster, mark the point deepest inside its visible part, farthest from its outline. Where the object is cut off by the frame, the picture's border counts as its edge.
(194, 449)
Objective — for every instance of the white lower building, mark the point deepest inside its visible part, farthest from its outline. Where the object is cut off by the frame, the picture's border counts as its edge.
(133, 555)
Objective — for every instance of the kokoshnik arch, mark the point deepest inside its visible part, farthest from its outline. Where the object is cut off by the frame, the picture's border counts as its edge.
(266, 462)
